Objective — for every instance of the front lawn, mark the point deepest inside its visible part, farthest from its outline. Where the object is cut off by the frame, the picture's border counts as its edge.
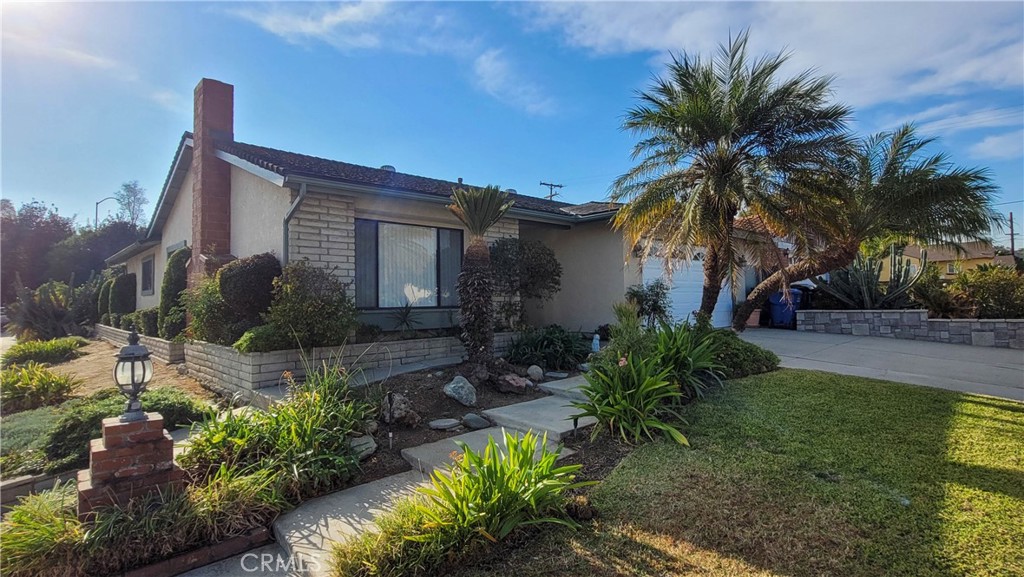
(807, 473)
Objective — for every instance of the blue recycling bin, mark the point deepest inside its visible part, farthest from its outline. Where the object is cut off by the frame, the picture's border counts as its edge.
(783, 314)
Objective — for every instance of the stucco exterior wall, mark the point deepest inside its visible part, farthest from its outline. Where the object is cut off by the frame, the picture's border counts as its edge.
(597, 267)
(258, 208)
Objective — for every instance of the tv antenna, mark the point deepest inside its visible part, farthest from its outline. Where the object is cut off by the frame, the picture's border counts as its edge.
(551, 189)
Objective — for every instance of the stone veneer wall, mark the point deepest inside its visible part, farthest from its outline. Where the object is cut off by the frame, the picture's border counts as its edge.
(323, 230)
(226, 368)
(167, 351)
(915, 325)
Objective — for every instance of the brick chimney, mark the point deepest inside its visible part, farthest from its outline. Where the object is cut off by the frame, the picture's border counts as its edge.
(211, 178)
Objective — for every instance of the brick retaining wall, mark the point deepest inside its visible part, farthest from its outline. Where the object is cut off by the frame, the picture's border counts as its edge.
(167, 351)
(915, 325)
(226, 368)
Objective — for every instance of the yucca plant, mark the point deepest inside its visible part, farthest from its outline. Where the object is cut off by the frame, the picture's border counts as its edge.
(691, 357)
(479, 209)
(634, 399)
(480, 499)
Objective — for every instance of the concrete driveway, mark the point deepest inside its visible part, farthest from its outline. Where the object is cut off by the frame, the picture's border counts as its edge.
(969, 369)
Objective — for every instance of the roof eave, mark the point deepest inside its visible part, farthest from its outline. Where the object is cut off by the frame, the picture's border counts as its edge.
(131, 250)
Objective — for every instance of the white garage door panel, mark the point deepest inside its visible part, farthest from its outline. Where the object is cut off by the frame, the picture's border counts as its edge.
(685, 288)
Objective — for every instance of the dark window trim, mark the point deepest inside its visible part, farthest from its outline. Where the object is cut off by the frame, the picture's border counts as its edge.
(437, 264)
(152, 285)
(176, 246)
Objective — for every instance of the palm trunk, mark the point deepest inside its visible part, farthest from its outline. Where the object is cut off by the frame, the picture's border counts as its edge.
(476, 306)
(713, 275)
(798, 271)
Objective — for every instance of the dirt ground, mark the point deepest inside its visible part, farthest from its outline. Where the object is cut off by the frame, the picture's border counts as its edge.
(96, 365)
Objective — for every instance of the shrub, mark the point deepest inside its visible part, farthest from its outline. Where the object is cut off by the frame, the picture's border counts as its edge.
(211, 318)
(552, 347)
(302, 440)
(115, 320)
(127, 321)
(105, 319)
(147, 319)
(247, 284)
(122, 294)
(859, 286)
(50, 352)
(44, 313)
(628, 337)
(264, 338)
(103, 299)
(67, 444)
(994, 293)
(651, 302)
(311, 304)
(42, 533)
(21, 441)
(171, 316)
(738, 358)
(691, 357)
(633, 399)
(85, 308)
(481, 499)
(32, 385)
(526, 269)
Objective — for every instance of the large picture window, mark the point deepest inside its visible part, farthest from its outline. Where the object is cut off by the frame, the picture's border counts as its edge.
(402, 264)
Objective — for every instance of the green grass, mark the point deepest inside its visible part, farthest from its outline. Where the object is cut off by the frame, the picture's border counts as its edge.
(805, 473)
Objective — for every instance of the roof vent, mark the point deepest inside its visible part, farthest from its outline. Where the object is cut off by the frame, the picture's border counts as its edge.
(510, 190)
(460, 180)
(388, 168)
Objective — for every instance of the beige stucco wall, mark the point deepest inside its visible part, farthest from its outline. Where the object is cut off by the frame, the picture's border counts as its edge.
(597, 267)
(258, 208)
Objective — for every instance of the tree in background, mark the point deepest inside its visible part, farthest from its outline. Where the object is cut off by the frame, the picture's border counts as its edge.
(83, 254)
(718, 136)
(26, 235)
(131, 199)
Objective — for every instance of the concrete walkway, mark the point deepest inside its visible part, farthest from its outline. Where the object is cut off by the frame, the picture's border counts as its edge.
(969, 369)
(305, 534)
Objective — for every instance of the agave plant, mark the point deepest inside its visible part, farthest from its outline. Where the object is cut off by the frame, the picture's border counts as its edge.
(859, 285)
(479, 209)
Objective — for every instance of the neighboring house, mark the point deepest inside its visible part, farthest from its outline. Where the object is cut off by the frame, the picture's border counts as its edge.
(951, 262)
(387, 233)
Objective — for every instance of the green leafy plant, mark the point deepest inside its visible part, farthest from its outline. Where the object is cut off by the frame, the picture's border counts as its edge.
(651, 301)
(51, 352)
(405, 318)
(247, 285)
(523, 269)
(628, 336)
(312, 306)
(122, 294)
(45, 313)
(264, 338)
(147, 319)
(481, 499)
(32, 385)
(211, 317)
(859, 285)
(738, 358)
(634, 399)
(171, 316)
(691, 357)
(103, 299)
(551, 347)
(478, 209)
(85, 305)
(994, 293)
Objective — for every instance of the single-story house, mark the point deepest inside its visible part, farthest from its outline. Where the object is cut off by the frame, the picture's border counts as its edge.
(951, 262)
(387, 233)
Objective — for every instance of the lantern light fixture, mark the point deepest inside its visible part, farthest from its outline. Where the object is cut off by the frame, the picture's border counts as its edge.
(132, 373)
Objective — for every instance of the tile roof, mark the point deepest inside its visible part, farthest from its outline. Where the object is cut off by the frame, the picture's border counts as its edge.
(974, 249)
(287, 163)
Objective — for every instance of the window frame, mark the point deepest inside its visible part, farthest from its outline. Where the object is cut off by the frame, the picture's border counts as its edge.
(152, 279)
(951, 268)
(437, 264)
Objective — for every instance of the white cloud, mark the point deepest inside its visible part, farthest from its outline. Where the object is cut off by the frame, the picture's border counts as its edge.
(47, 47)
(985, 118)
(342, 26)
(881, 52)
(496, 76)
(1004, 146)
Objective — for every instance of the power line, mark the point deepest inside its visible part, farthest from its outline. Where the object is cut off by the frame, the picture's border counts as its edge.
(551, 189)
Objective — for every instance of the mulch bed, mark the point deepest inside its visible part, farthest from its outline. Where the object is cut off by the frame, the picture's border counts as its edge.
(425, 390)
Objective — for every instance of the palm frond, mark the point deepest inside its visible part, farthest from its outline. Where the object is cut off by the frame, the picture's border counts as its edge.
(479, 208)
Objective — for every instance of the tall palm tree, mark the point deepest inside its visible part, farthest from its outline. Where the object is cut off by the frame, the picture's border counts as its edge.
(719, 136)
(885, 187)
(479, 209)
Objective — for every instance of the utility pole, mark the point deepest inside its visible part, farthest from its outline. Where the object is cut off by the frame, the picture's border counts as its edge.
(1013, 245)
(551, 189)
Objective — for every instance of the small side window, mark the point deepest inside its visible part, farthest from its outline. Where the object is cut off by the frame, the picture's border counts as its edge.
(147, 275)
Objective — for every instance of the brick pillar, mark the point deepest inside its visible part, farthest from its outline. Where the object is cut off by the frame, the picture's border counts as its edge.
(211, 178)
(132, 459)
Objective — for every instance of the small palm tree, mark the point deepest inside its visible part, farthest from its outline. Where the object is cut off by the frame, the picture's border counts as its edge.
(885, 187)
(719, 136)
(479, 209)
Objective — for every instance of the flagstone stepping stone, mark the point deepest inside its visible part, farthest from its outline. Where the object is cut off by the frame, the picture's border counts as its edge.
(556, 375)
(444, 424)
(474, 421)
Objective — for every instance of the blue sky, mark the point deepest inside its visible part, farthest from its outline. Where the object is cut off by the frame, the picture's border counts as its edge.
(95, 94)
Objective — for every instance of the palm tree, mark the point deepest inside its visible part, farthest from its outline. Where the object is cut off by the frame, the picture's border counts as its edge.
(885, 187)
(718, 136)
(478, 209)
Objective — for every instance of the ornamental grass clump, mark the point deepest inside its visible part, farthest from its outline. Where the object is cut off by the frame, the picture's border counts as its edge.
(480, 500)
(691, 357)
(32, 385)
(49, 352)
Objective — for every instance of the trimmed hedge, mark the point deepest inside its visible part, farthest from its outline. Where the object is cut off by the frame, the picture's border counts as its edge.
(171, 315)
(103, 301)
(147, 321)
(122, 294)
(740, 358)
(247, 284)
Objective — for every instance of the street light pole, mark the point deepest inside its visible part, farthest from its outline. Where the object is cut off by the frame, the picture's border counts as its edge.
(96, 217)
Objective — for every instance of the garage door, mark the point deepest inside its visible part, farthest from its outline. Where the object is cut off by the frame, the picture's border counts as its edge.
(685, 287)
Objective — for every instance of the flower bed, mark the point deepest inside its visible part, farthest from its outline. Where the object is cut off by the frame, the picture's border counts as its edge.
(915, 325)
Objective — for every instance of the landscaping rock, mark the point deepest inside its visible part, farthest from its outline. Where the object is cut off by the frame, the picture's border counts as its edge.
(445, 424)
(556, 375)
(513, 384)
(462, 391)
(474, 421)
(584, 367)
(370, 427)
(363, 446)
(401, 411)
(535, 373)
(182, 369)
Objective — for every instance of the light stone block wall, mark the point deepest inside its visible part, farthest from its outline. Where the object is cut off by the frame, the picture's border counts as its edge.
(915, 325)
(323, 231)
(168, 352)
